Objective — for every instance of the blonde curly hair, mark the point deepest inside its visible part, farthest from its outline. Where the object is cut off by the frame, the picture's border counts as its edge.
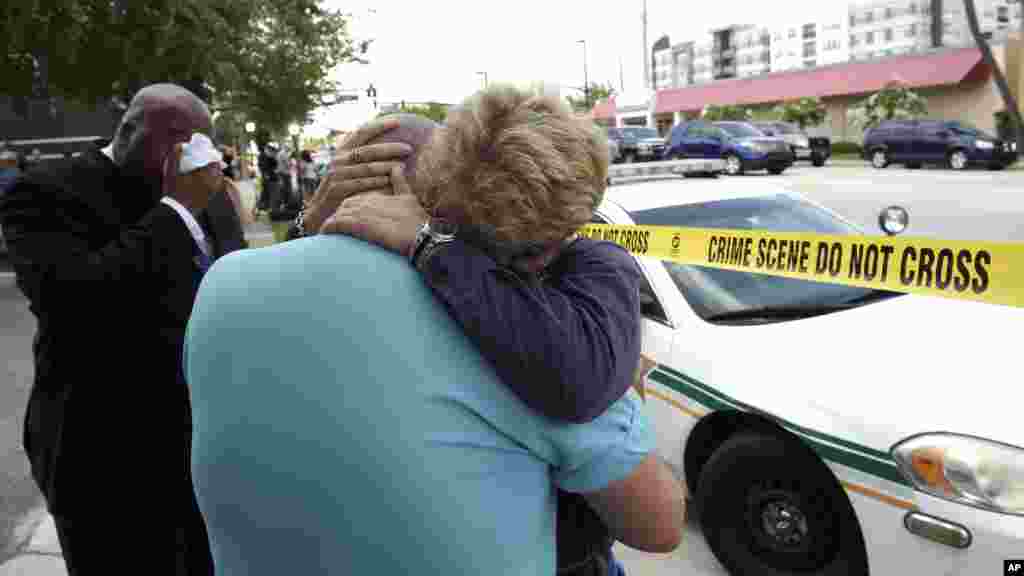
(517, 165)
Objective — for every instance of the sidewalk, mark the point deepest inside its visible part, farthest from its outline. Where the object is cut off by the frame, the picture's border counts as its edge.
(41, 556)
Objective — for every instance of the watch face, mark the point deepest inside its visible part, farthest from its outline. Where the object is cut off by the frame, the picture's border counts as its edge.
(443, 227)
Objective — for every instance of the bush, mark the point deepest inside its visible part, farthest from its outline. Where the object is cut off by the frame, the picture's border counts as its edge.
(846, 148)
(1004, 125)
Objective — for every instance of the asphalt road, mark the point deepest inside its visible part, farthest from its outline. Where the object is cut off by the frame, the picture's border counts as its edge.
(976, 205)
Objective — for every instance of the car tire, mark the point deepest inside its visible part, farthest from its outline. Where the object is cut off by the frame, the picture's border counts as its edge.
(913, 166)
(996, 167)
(768, 507)
(776, 171)
(817, 161)
(957, 160)
(879, 158)
(629, 158)
(734, 165)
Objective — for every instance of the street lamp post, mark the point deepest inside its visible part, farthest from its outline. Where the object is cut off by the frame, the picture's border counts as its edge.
(484, 74)
(586, 79)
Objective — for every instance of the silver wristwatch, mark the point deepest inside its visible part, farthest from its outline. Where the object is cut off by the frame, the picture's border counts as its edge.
(431, 235)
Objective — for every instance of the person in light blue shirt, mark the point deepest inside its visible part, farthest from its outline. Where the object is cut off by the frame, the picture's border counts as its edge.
(354, 427)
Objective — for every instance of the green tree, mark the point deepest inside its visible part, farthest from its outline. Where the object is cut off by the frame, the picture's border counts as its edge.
(893, 101)
(269, 59)
(726, 113)
(586, 102)
(433, 110)
(804, 112)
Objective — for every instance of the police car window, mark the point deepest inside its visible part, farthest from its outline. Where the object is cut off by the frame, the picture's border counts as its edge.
(713, 292)
(650, 306)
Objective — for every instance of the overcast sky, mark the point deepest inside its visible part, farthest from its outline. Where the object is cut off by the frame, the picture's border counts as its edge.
(433, 50)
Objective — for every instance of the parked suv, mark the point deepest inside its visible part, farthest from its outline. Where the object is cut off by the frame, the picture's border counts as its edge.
(956, 145)
(637, 143)
(814, 149)
(741, 145)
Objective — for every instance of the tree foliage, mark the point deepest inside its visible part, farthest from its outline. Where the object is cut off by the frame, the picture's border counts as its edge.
(894, 101)
(726, 114)
(433, 110)
(803, 112)
(585, 102)
(269, 59)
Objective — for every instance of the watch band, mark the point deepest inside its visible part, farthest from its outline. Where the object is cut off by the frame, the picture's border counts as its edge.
(430, 248)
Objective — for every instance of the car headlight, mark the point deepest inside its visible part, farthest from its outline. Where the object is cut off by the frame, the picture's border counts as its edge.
(984, 145)
(968, 470)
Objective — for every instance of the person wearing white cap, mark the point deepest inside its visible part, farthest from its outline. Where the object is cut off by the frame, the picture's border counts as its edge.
(109, 250)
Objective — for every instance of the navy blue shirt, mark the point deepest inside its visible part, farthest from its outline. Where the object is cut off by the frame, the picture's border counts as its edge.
(567, 343)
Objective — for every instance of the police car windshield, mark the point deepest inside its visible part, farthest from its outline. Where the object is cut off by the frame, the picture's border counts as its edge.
(740, 130)
(715, 293)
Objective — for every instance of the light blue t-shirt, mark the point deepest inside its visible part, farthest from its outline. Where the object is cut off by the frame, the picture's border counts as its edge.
(344, 424)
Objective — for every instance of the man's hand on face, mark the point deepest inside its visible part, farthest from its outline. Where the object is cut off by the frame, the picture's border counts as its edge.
(387, 220)
(357, 169)
(193, 190)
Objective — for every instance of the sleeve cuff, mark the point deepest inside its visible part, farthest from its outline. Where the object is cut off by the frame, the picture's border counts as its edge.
(620, 440)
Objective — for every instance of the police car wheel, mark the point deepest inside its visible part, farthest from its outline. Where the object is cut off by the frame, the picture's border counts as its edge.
(768, 507)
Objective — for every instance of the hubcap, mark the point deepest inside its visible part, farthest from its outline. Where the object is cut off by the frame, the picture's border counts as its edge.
(732, 164)
(784, 523)
(959, 160)
(879, 159)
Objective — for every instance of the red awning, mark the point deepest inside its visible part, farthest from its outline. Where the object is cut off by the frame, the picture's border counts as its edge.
(915, 71)
(604, 110)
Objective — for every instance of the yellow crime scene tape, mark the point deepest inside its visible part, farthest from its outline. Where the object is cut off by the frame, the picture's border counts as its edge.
(991, 272)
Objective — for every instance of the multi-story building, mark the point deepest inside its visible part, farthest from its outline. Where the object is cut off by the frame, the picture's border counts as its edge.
(880, 28)
(753, 53)
(810, 44)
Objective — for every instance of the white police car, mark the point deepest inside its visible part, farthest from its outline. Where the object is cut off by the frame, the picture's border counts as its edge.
(824, 429)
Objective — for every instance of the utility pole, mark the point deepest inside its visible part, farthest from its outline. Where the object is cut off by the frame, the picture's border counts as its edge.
(647, 63)
(622, 80)
(586, 77)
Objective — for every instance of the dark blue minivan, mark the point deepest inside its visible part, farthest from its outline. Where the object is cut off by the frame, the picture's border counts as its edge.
(956, 145)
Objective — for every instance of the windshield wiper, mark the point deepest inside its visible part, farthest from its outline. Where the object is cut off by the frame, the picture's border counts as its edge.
(796, 312)
(772, 313)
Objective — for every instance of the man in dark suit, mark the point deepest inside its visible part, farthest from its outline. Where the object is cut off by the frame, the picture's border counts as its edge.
(107, 249)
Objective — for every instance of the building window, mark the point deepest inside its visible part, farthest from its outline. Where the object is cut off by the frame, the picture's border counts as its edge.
(912, 31)
(853, 40)
(912, 8)
(809, 32)
(869, 16)
(888, 34)
(853, 20)
(869, 38)
(1004, 13)
(809, 49)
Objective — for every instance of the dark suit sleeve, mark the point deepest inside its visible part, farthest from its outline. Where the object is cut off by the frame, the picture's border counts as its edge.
(568, 346)
(60, 271)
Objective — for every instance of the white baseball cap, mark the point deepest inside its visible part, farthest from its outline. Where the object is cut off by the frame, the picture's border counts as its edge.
(199, 152)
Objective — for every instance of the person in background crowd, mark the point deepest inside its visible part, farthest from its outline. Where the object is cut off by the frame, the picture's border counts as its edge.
(268, 173)
(308, 172)
(284, 177)
(108, 251)
(8, 170)
(579, 325)
(457, 445)
(229, 161)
